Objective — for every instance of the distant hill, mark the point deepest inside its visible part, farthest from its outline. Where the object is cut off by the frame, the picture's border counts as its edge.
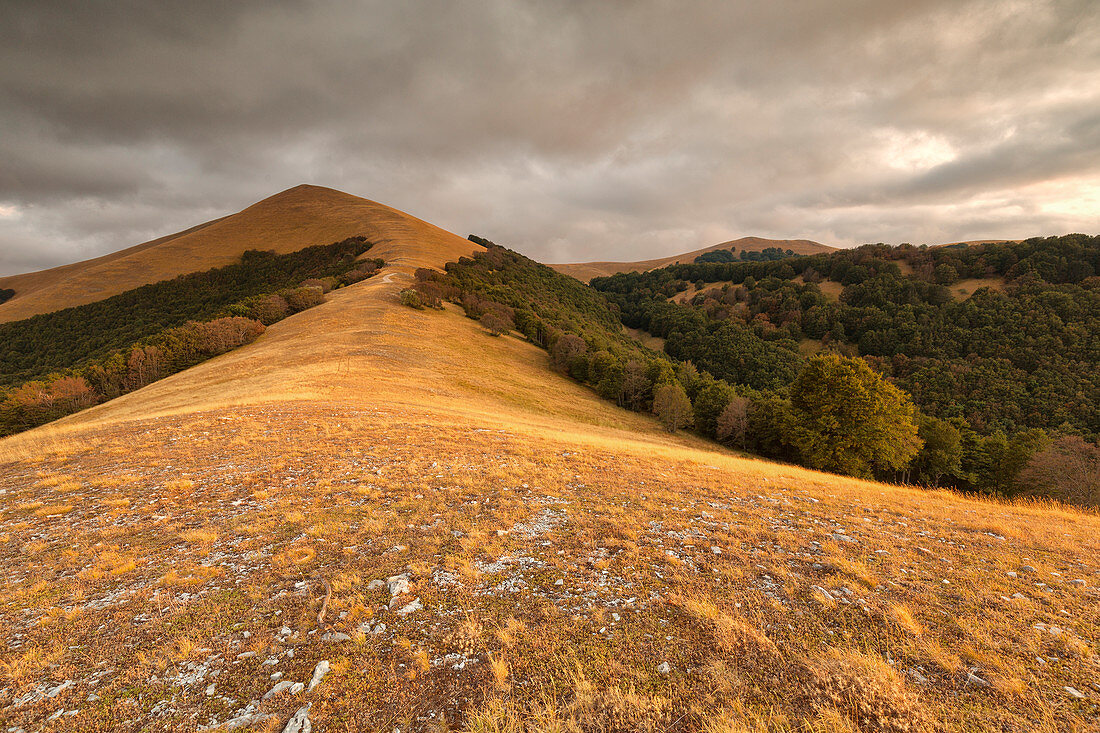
(286, 222)
(585, 271)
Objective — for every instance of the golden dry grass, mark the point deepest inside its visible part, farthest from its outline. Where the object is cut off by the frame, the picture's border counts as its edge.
(286, 222)
(226, 521)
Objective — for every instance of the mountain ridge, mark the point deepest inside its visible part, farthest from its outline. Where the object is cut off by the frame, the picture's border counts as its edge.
(290, 220)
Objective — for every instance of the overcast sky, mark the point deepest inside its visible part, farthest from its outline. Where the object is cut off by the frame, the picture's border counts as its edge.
(566, 130)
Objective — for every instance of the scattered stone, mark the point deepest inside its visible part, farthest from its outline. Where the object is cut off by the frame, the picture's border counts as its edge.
(210, 690)
(54, 692)
(973, 678)
(398, 585)
(1074, 693)
(279, 687)
(664, 669)
(319, 673)
(299, 723)
(335, 637)
(410, 608)
(559, 582)
(1012, 574)
(1027, 569)
(920, 678)
(716, 550)
(376, 584)
(1077, 581)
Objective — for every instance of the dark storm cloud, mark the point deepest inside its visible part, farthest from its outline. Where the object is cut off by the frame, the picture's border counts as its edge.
(570, 130)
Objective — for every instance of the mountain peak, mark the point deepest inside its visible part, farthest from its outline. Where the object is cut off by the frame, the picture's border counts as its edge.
(298, 217)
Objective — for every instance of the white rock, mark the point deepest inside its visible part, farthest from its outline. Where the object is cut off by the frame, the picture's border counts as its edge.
(716, 550)
(319, 673)
(410, 608)
(1074, 693)
(971, 677)
(398, 585)
(559, 582)
(1012, 574)
(210, 690)
(920, 678)
(335, 637)
(54, 692)
(279, 687)
(664, 669)
(299, 723)
(376, 584)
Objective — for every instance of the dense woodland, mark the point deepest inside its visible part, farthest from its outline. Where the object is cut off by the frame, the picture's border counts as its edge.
(937, 386)
(50, 342)
(148, 333)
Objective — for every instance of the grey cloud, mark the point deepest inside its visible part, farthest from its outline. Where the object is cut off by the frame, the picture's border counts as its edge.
(570, 130)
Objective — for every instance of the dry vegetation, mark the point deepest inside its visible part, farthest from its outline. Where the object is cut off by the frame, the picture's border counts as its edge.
(462, 538)
(585, 271)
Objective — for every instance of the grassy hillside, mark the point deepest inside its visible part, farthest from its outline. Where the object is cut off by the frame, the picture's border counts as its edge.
(286, 222)
(53, 342)
(171, 557)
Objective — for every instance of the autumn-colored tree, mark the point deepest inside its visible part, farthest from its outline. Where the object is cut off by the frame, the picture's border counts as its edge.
(733, 423)
(565, 349)
(1068, 470)
(635, 384)
(496, 322)
(672, 407)
(848, 419)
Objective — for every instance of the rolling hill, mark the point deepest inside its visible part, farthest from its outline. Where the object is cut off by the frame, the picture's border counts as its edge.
(376, 517)
(585, 271)
(288, 221)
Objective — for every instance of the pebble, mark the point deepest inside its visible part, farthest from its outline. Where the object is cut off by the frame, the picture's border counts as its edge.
(664, 669)
(716, 550)
(1027, 569)
(1012, 574)
(410, 608)
(319, 673)
(335, 637)
(1074, 693)
(210, 690)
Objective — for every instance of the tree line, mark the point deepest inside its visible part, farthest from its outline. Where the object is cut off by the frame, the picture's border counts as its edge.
(734, 370)
(156, 355)
(51, 342)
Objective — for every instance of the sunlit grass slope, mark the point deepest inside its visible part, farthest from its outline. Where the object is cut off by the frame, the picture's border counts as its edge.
(464, 539)
(298, 217)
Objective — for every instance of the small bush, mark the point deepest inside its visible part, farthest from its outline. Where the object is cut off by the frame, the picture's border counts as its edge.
(411, 298)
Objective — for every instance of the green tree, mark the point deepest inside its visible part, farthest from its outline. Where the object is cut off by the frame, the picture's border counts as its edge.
(848, 419)
(942, 452)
